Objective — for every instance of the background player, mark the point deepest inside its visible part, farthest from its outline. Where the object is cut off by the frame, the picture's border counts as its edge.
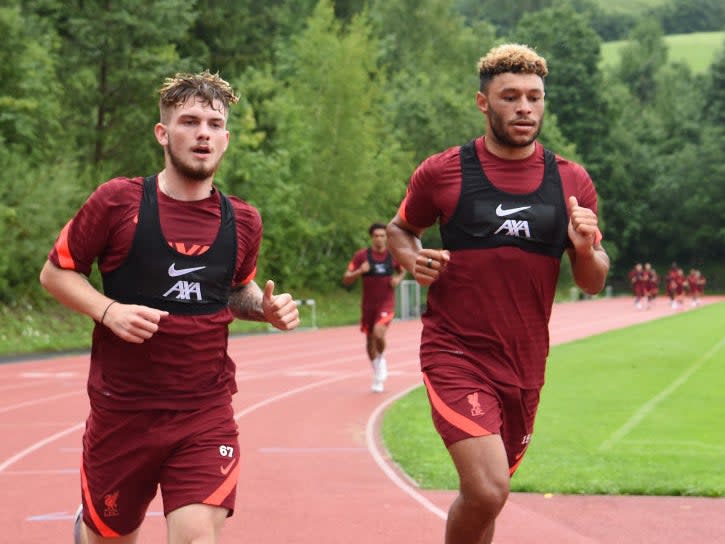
(380, 274)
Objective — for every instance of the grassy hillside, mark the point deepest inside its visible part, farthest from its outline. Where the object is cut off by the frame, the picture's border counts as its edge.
(697, 50)
(629, 6)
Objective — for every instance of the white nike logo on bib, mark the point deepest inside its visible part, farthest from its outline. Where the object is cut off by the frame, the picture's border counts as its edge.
(503, 213)
(173, 272)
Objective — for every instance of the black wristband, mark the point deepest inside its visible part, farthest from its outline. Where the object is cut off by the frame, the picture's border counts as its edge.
(106, 310)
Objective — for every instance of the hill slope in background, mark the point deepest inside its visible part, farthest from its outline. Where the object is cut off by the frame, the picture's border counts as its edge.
(696, 50)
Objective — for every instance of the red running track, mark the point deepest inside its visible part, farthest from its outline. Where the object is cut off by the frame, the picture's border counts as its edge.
(313, 469)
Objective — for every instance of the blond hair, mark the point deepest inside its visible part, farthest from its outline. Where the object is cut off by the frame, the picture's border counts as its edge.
(510, 57)
(211, 89)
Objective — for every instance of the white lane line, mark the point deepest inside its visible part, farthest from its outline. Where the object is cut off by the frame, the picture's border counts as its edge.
(650, 405)
(37, 401)
(291, 392)
(385, 466)
(41, 472)
(369, 436)
(30, 449)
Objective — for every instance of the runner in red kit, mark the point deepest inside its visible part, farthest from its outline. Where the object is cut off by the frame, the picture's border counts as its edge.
(380, 274)
(507, 210)
(652, 283)
(671, 284)
(177, 259)
(696, 286)
(638, 281)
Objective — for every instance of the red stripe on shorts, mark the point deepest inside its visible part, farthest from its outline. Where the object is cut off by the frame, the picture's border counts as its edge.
(101, 527)
(451, 416)
(221, 492)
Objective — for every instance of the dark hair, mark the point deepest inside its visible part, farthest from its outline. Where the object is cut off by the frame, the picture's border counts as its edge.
(376, 226)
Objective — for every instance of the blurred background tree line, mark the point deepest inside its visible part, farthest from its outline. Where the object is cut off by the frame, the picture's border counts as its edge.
(340, 102)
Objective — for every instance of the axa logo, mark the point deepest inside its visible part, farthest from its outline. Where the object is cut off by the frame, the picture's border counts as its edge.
(185, 290)
(513, 227)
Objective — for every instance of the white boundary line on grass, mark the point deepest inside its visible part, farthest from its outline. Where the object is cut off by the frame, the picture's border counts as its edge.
(647, 407)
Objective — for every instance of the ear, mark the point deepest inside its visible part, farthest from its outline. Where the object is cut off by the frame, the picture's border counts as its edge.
(161, 134)
(482, 102)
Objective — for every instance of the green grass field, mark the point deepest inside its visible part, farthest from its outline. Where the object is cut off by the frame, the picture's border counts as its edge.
(635, 411)
(696, 50)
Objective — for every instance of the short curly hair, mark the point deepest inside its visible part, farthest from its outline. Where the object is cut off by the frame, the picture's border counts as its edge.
(511, 57)
(210, 88)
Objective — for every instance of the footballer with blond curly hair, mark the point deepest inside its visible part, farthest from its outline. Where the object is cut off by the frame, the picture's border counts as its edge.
(507, 210)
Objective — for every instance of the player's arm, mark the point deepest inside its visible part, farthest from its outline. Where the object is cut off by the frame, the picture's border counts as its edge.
(404, 243)
(129, 322)
(396, 278)
(250, 303)
(73, 290)
(589, 261)
(352, 273)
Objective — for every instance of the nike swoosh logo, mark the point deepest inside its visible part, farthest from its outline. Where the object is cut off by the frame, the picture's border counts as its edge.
(173, 272)
(225, 470)
(503, 213)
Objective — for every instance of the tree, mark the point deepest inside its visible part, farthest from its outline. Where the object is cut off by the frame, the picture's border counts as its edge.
(232, 36)
(325, 165)
(715, 90)
(433, 80)
(642, 58)
(504, 14)
(686, 16)
(29, 90)
(114, 57)
(574, 83)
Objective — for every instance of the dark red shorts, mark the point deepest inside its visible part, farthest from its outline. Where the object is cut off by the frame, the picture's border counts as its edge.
(373, 316)
(465, 404)
(192, 455)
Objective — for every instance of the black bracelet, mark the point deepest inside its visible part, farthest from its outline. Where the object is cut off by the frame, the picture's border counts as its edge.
(106, 310)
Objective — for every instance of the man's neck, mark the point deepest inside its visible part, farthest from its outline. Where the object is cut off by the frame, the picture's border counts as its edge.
(184, 189)
(508, 152)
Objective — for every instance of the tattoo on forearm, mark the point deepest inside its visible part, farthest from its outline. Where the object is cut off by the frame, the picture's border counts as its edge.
(245, 302)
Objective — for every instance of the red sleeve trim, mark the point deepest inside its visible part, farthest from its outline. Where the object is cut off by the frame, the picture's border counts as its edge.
(65, 259)
(401, 209)
(249, 278)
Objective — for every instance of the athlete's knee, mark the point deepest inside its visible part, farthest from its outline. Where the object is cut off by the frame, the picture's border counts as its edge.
(487, 497)
(196, 523)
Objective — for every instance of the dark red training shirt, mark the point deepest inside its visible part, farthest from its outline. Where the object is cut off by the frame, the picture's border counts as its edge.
(490, 306)
(187, 365)
(378, 294)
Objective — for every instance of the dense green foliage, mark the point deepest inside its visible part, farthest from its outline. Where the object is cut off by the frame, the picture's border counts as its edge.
(339, 104)
(621, 413)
